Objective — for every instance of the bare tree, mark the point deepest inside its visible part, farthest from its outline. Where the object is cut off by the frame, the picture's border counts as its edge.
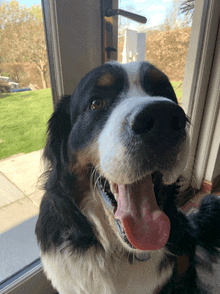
(34, 42)
(22, 36)
(175, 18)
(172, 18)
(187, 6)
(16, 71)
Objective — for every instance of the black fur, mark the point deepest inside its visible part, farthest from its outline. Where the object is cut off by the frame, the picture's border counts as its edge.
(187, 233)
(62, 224)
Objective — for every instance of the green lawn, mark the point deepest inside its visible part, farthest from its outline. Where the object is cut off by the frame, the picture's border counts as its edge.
(178, 88)
(24, 119)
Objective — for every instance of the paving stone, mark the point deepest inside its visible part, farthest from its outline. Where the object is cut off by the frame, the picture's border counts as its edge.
(8, 192)
(36, 197)
(16, 213)
(23, 170)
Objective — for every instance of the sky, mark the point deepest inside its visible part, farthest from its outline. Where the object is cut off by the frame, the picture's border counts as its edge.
(29, 3)
(154, 10)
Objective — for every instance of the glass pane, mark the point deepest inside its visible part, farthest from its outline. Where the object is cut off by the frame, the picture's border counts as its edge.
(25, 107)
(166, 34)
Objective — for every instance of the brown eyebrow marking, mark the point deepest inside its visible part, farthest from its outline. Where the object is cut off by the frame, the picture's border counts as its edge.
(106, 80)
(155, 76)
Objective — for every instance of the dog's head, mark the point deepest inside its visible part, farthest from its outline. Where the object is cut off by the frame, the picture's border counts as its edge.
(122, 125)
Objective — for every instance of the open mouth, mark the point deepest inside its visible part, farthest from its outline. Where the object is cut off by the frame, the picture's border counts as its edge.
(141, 223)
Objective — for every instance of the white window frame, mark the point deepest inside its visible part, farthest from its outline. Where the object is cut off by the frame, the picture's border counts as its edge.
(200, 92)
(200, 88)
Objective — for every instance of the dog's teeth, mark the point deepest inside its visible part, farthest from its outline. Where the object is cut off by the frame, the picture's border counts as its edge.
(116, 196)
(114, 188)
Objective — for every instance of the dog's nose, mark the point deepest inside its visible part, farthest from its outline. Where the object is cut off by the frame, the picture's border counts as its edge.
(157, 119)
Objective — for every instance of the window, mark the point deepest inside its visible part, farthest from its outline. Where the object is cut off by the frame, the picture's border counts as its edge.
(24, 113)
(201, 92)
(167, 34)
(74, 42)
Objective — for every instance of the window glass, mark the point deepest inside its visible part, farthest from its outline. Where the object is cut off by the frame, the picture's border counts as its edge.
(165, 36)
(25, 107)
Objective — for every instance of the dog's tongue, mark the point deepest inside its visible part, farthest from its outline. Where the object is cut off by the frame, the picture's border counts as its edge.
(147, 227)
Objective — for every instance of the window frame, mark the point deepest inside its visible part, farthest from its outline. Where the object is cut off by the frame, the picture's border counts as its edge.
(197, 79)
(88, 52)
(28, 280)
(196, 85)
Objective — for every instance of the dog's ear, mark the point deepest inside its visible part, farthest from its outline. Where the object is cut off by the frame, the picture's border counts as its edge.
(59, 127)
(60, 221)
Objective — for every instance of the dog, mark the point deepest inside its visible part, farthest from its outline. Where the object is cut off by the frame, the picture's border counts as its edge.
(108, 222)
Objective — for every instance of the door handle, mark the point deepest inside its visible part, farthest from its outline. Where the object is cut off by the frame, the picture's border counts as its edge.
(133, 16)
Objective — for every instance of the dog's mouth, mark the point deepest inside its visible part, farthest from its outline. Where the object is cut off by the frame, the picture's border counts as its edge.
(141, 223)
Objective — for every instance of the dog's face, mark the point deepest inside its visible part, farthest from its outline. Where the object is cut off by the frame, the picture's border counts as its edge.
(124, 123)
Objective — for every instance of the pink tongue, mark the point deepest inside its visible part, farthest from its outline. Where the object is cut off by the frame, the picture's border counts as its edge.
(147, 227)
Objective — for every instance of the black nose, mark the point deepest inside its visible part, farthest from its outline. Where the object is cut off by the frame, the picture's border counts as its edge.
(158, 119)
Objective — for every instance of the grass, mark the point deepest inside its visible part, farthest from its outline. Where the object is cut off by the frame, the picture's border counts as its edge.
(178, 88)
(24, 119)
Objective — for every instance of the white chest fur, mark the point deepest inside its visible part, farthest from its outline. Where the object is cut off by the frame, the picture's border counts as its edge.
(95, 273)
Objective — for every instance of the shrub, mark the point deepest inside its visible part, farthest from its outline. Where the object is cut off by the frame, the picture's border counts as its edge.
(4, 87)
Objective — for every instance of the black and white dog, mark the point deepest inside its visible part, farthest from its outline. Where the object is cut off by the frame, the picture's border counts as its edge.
(108, 222)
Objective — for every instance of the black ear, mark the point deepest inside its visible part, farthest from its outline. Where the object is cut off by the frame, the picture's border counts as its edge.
(60, 221)
(59, 127)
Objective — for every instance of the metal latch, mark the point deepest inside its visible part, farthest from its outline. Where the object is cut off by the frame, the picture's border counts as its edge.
(133, 16)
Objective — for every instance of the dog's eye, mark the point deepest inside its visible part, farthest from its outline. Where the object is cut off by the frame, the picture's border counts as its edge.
(97, 104)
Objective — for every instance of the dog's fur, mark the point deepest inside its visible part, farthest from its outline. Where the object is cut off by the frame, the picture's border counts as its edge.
(121, 124)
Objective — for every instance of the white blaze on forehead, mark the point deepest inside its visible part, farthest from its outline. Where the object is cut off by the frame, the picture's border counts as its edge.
(133, 72)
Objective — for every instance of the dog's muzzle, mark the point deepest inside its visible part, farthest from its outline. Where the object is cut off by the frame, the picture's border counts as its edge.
(143, 138)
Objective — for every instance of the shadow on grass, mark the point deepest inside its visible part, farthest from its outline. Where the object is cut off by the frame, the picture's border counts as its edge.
(4, 95)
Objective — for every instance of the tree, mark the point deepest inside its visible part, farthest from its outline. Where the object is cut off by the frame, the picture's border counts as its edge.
(17, 73)
(174, 19)
(22, 36)
(34, 43)
(187, 8)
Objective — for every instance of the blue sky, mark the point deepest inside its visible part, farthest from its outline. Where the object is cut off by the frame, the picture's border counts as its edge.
(154, 10)
(29, 3)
